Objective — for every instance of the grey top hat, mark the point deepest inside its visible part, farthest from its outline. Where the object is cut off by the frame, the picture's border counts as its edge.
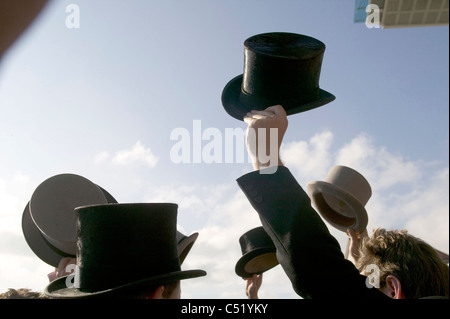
(48, 220)
(258, 253)
(341, 198)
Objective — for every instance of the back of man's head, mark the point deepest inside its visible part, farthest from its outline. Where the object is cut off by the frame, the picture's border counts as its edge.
(415, 263)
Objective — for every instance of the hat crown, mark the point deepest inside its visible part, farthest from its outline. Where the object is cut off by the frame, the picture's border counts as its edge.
(350, 181)
(285, 45)
(123, 243)
(258, 253)
(254, 239)
(53, 202)
(280, 68)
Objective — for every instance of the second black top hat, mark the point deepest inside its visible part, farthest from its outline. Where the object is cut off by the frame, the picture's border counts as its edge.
(258, 253)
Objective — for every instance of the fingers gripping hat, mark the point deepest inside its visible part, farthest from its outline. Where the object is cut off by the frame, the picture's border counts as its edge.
(279, 68)
(258, 253)
(123, 247)
(48, 220)
(341, 198)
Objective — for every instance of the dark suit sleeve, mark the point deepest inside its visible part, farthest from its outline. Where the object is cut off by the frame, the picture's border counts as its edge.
(308, 253)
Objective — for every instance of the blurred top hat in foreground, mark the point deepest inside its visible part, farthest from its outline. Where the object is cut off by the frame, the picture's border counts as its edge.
(123, 247)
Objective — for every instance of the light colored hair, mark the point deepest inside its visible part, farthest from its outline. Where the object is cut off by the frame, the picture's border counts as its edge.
(415, 263)
(22, 293)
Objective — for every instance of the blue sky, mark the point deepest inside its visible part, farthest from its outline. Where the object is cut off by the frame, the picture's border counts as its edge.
(102, 101)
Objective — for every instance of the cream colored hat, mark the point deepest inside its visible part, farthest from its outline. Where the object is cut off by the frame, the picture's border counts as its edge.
(341, 198)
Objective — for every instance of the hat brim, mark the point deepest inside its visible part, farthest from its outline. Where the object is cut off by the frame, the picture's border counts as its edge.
(237, 109)
(358, 222)
(267, 261)
(185, 245)
(58, 288)
(38, 244)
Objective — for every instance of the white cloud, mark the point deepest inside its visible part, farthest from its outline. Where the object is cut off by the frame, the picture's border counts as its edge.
(382, 168)
(23, 272)
(309, 160)
(19, 267)
(15, 192)
(101, 157)
(138, 154)
(429, 211)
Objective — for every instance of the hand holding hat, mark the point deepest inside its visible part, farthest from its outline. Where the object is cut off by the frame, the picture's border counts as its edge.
(252, 286)
(354, 244)
(274, 123)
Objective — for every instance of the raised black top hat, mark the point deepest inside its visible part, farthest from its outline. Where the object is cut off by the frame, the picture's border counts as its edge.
(121, 247)
(258, 253)
(279, 68)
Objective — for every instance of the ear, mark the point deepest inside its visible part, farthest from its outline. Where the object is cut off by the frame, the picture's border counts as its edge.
(393, 288)
(157, 294)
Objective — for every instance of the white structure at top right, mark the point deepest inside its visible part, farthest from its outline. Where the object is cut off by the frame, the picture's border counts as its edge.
(412, 13)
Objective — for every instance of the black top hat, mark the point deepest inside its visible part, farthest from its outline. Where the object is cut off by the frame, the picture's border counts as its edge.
(122, 247)
(279, 68)
(48, 220)
(258, 253)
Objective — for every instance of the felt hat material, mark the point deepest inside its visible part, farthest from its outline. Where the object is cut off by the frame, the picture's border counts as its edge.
(258, 253)
(123, 247)
(280, 68)
(341, 198)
